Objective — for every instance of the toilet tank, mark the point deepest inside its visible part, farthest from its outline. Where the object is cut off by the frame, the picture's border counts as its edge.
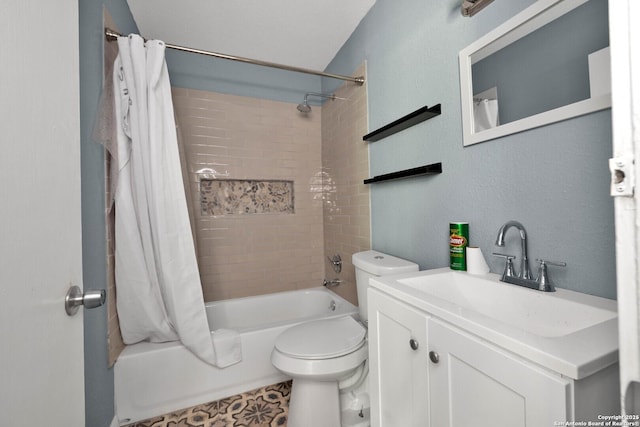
(370, 264)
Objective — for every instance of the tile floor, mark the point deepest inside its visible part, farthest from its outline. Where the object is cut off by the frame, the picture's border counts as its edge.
(264, 407)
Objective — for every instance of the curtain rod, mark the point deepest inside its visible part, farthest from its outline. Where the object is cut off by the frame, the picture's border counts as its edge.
(113, 35)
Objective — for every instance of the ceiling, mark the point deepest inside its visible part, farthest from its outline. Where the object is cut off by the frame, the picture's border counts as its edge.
(301, 33)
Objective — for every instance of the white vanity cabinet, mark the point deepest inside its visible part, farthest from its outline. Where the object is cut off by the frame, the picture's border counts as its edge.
(398, 366)
(474, 383)
(455, 378)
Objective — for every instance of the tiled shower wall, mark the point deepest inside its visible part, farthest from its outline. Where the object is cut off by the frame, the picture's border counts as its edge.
(233, 137)
(114, 337)
(241, 138)
(345, 163)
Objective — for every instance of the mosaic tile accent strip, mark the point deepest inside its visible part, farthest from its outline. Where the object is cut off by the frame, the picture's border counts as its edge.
(238, 197)
(264, 407)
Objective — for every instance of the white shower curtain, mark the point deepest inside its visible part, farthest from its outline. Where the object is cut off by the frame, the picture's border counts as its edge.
(159, 296)
(485, 114)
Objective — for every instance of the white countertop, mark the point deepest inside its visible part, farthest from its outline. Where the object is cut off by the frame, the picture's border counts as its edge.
(575, 352)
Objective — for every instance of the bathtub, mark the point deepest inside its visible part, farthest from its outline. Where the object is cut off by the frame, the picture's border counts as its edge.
(153, 379)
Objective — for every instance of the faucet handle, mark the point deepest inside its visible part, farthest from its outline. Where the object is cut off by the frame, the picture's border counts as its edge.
(508, 267)
(336, 262)
(544, 283)
(548, 262)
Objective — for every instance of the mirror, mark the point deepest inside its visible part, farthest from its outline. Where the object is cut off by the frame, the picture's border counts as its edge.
(546, 64)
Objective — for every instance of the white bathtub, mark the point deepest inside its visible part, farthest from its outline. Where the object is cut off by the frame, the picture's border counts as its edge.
(154, 379)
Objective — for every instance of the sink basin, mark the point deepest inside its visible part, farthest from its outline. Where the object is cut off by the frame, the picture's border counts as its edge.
(567, 332)
(545, 314)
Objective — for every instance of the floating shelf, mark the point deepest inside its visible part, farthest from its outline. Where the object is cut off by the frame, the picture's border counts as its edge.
(411, 119)
(431, 169)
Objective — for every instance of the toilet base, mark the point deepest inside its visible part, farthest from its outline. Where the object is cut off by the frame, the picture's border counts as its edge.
(314, 404)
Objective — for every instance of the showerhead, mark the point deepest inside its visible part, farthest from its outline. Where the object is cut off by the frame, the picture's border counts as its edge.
(306, 108)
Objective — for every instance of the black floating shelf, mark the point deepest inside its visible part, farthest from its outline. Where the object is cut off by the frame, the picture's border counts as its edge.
(418, 116)
(431, 169)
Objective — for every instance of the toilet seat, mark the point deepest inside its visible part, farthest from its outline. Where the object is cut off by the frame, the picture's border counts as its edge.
(322, 339)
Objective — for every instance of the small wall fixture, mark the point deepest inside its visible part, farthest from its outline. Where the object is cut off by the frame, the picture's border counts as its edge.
(336, 263)
(306, 108)
(471, 7)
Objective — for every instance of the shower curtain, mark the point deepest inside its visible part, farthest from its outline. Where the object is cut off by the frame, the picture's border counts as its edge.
(159, 296)
(485, 114)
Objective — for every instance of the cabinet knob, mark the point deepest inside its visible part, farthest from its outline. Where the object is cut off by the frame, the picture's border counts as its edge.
(413, 344)
(435, 357)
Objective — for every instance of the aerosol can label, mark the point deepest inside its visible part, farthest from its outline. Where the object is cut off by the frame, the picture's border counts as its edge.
(458, 241)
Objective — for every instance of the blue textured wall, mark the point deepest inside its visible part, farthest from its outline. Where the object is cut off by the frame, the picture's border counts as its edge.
(194, 71)
(553, 179)
(99, 407)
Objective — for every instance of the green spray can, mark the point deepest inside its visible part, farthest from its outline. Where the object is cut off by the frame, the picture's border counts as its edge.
(458, 241)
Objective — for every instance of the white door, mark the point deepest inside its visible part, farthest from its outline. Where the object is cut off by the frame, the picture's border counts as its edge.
(624, 16)
(41, 348)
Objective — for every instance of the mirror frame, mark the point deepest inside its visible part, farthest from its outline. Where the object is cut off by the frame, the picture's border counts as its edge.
(527, 21)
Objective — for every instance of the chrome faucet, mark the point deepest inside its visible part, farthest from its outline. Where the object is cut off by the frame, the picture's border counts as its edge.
(525, 272)
(542, 283)
(331, 283)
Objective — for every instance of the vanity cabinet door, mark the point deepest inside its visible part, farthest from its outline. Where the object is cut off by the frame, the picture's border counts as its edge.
(398, 363)
(477, 384)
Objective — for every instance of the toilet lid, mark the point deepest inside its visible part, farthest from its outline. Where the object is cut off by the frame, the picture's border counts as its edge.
(322, 339)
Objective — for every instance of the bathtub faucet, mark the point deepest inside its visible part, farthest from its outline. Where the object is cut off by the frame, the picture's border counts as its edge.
(331, 283)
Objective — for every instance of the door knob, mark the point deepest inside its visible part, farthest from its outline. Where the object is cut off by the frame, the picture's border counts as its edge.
(413, 344)
(90, 299)
(435, 357)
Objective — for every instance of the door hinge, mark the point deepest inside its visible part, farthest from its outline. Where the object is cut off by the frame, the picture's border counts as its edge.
(622, 177)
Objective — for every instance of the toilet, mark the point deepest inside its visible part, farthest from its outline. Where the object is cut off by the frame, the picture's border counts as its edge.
(328, 357)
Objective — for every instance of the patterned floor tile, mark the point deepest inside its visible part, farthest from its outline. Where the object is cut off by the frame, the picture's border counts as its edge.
(264, 407)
